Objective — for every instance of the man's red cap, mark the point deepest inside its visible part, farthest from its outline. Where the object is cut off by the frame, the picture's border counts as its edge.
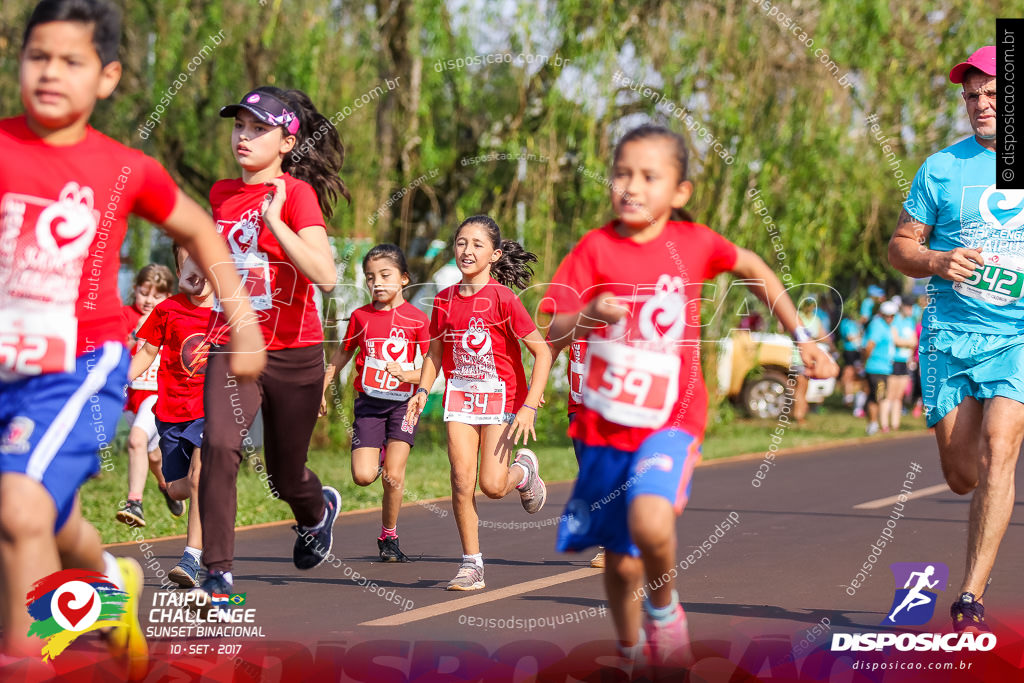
(984, 59)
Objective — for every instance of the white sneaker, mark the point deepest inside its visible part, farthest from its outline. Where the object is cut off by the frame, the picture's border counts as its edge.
(872, 429)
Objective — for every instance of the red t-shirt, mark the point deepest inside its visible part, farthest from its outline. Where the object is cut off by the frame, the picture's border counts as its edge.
(481, 334)
(279, 293)
(382, 336)
(145, 385)
(574, 371)
(643, 373)
(63, 212)
(179, 328)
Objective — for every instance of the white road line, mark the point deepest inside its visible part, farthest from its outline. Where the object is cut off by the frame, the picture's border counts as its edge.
(883, 502)
(480, 598)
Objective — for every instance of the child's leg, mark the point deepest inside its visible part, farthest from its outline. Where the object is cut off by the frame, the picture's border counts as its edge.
(463, 446)
(138, 445)
(365, 462)
(652, 525)
(394, 481)
(497, 480)
(28, 552)
(293, 385)
(155, 459)
(623, 577)
(194, 534)
(223, 437)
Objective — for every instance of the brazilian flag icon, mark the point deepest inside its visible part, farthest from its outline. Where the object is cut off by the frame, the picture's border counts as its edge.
(237, 599)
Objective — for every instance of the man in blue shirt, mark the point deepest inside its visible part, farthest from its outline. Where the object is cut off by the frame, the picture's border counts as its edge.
(966, 234)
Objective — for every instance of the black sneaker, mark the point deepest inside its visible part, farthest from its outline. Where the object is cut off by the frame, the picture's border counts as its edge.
(213, 585)
(389, 550)
(177, 507)
(313, 547)
(131, 513)
(967, 613)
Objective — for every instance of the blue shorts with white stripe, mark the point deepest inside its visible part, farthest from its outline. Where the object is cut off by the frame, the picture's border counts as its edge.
(53, 426)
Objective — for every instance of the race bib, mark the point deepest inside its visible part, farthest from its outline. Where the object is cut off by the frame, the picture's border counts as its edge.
(147, 380)
(576, 370)
(474, 401)
(630, 386)
(379, 383)
(34, 343)
(999, 282)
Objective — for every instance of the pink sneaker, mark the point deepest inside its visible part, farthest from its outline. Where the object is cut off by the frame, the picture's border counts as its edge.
(916, 412)
(668, 645)
(858, 412)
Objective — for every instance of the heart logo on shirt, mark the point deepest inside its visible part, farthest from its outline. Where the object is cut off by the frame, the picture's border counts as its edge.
(394, 347)
(476, 340)
(1003, 201)
(663, 315)
(68, 225)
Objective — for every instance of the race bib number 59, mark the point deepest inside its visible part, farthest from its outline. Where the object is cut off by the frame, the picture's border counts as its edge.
(629, 386)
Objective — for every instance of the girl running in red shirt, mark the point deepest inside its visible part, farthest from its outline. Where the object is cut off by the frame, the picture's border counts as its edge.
(273, 220)
(632, 289)
(152, 285)
(388, 333)
(475, 330)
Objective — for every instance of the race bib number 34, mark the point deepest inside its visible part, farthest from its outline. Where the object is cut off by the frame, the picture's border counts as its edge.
(474, 401)
(629, 386)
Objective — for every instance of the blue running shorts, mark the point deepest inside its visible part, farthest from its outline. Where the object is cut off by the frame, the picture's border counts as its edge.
(177, 442)
(955, 365)
(52, 426)
(609, 480)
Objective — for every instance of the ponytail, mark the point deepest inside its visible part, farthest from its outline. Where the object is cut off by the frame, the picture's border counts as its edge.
(318, 154)
(511, 269)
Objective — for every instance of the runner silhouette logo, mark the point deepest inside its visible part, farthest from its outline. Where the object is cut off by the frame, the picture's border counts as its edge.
(917, 587)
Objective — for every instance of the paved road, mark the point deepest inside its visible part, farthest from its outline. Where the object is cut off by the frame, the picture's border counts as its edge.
(776, 584)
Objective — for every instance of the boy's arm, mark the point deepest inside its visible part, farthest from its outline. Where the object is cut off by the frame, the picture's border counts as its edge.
(193, 228)
(143, 358)
(763, 282)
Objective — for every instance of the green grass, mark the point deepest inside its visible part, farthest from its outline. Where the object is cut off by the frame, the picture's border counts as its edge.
(427, 471)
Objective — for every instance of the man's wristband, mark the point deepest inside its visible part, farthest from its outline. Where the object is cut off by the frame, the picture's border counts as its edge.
(424, 391)
(802, 335)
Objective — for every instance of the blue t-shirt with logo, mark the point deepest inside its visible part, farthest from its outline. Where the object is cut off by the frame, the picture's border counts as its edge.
(954, 191)
(903, 327)
(852, 333)
(880, 360)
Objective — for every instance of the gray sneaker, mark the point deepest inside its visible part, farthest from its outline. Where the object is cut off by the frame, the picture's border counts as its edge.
(469, 578)
(535, 492)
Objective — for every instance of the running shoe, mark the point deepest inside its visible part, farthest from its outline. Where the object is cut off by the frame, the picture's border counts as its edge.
(389, 550)
(313, 547)
(872, 428)
(469, 578)
(535, 492)
(598, 561)
(177, 507)
(131, 513)
(968, 614)
(214, 585)
(186, 572)
(126, 641)
(669, 643)
(858, 412)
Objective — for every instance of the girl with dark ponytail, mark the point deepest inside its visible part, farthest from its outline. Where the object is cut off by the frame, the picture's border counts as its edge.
(273, 220)
(475, 330)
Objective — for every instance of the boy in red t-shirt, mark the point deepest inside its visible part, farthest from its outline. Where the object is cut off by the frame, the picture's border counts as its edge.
(178, 326)
(153, 284)
(64, 206)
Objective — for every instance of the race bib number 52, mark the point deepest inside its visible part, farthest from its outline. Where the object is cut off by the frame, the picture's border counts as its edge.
(35, 344)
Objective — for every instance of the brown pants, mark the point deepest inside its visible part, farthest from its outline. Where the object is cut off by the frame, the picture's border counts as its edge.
(289, 391)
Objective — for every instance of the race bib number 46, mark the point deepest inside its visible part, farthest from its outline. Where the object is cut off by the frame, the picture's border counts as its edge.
(629, 386)
(379, 383)
(998, 282)
(474, 401)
